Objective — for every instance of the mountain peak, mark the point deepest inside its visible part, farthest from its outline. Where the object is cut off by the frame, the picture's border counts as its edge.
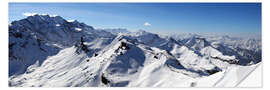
(41, 18)
(141, 32)
(43, 15)
(37, 14)
(49, 49)
(197, 42)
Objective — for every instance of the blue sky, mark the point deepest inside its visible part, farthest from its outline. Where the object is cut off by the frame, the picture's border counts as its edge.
(159, 17)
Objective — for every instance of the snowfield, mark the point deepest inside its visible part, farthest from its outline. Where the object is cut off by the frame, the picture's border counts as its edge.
(46, 51)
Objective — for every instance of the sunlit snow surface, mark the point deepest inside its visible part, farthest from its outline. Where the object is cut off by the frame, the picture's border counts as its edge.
(71, 20)
(69, 69)
(49, 51)
(78, 29)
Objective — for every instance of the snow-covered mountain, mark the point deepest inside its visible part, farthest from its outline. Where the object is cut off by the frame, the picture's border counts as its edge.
(116, 31)
(46, 51)
(247, 50)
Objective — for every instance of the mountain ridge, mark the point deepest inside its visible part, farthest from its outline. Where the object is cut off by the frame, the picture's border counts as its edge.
(45, 48)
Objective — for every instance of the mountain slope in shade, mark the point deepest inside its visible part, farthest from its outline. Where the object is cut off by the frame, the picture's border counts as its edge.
(46, 51)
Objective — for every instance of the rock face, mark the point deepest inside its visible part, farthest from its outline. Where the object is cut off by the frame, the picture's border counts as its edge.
(47, 49)
(37, 37)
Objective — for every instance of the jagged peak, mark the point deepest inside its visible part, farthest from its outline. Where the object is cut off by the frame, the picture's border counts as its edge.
(36, 14)
(36, 18)
(198, 42)
(124, 37)
(48, 17)
(198, 39)
(72, 20)
(141, 32)
(44, 18)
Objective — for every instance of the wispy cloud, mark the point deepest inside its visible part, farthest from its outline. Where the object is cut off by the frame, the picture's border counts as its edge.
(147, 24)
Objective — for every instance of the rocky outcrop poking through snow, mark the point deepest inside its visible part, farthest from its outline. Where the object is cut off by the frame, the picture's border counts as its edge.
(46, 51)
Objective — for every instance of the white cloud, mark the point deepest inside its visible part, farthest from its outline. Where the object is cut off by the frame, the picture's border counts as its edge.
(29, 14)
(147, 24)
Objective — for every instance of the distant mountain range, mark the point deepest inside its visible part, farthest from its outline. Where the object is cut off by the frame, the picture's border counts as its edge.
(49, 51)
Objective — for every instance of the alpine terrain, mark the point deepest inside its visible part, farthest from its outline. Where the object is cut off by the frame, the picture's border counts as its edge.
(49, 51)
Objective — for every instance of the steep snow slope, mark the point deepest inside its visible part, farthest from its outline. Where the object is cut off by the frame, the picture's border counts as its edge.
(51, 51)
(39, 36)
(69, 68)
(58, 70)
(76, 69)
(246, 50)
(254, 79)
(235, 75)
(231, 77)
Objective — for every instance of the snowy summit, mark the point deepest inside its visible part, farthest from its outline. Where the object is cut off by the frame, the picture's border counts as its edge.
(49, 51)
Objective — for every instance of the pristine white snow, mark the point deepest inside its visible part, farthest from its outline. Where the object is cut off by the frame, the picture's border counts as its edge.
(69, 69)
(254, 79)
(78, 29)
(57, 25)
(71, 20)
(54, 56)
(29, 14)
(235, 75)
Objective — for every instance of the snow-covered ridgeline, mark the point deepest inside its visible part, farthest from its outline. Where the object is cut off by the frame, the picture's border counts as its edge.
(50, 49)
